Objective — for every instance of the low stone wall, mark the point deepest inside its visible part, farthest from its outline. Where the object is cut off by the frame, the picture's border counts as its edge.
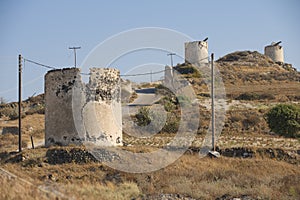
(12, 130)
(277, 154)
(78, 155)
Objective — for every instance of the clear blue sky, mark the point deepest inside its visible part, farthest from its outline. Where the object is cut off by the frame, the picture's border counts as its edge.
(43, 30)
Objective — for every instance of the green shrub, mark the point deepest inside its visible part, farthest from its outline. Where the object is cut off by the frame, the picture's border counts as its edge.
(147, 117)
(284, 120)
(169, 103)
(172, 124)
(143, 116)
(183, 100)
(186, 69)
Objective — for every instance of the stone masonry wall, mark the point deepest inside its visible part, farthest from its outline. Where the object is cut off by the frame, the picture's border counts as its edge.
(59, 124)
(102, 113)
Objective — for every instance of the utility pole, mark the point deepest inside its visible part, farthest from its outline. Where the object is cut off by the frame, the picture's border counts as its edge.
(74, 49)
(213, 152)
(171, 54)
(151, 76)
(20, 103)
(172, 70)
(213, 103)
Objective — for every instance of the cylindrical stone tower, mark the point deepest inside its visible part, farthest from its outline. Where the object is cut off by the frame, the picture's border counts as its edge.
(77, 113)
(102, 114)
(275, 52)
(60, 127)
(196, 52)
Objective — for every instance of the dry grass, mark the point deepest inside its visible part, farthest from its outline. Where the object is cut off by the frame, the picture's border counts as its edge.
(14, 188)
(189, 176)
(208, 179)
(32, 125)
(277, 89)
(107, 191)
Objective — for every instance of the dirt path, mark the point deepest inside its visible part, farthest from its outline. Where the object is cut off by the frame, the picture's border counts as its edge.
(145, 97)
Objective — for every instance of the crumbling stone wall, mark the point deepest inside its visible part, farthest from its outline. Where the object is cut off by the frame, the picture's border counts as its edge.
(102, 113)
(76, 112)
(10, 129)
(275, 52)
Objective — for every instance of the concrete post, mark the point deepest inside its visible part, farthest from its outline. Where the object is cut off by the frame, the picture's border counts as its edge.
(168, 82)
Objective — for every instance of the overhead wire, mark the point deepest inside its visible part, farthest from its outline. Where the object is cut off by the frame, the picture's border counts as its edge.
(82, 73)
(142, 74)
(123, 75)
(34, 62)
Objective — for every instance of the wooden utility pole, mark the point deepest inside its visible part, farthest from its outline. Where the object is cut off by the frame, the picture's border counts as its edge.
(213, 103)
(75, 48)
(20, 103)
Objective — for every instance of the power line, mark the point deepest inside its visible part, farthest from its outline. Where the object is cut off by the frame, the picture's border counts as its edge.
(123, 75)
(87, 74)
(34, 62)
(47, 66)
(143, 73)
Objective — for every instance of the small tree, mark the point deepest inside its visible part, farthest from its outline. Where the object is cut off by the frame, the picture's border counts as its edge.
(284, 120)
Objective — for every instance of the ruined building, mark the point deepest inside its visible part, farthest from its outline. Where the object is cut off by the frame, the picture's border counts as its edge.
(275, 52)
(77, 113)
(196, 52)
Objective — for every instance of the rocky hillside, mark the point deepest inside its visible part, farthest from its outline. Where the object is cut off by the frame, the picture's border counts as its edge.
(252, 72)
(247, 73)
(30, 106)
